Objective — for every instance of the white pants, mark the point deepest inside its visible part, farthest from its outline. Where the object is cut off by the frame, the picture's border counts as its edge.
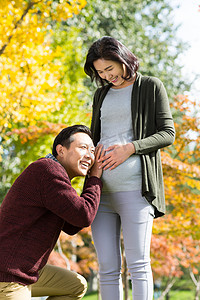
(134, 214)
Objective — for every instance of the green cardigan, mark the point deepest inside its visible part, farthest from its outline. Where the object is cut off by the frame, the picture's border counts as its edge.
(153, 128)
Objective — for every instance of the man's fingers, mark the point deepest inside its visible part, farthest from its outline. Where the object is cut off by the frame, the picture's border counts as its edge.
(98, 149)
(100, 153)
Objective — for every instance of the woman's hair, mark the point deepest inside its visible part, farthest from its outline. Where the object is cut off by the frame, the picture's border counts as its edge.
(65, 137)
(109, 48)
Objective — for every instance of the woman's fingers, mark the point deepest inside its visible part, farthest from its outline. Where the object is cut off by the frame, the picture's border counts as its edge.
(111, 148)
(110, 166)
(114, 155)
(104, 156)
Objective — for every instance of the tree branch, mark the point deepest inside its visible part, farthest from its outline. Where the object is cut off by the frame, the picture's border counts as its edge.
(180, 149)
(193, 277)
(18, 23)
(167, 289)
(62, 254)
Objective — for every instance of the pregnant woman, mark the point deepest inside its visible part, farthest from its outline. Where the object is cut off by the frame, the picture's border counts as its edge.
(132, 120)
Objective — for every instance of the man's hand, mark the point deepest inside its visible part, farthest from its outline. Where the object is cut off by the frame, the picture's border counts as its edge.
(116, 156)
(96, 169)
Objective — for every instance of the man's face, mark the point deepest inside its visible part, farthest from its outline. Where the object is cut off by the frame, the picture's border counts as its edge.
(79, 158)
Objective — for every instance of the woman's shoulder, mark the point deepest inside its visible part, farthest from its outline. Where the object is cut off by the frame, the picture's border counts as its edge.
(150, 80)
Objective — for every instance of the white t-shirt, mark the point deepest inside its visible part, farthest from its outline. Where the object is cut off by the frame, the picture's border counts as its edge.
(116, 128)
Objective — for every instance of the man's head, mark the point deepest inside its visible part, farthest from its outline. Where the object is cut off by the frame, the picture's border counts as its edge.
(74, 149)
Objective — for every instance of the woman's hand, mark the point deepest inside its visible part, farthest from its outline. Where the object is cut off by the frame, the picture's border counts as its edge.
(117, 155)
(96, 169)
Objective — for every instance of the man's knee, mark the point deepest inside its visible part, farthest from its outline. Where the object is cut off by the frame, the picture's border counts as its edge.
(82, 288)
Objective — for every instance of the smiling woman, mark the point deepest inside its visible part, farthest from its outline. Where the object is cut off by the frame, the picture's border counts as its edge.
(131, 120)
(117, 56)
(113, 72)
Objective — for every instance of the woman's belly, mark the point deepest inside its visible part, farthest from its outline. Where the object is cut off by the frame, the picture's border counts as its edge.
(125, 177)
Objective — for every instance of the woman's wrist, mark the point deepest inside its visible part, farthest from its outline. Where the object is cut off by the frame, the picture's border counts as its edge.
(131, 148)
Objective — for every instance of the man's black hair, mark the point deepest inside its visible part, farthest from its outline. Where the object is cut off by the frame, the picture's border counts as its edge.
(65, 137)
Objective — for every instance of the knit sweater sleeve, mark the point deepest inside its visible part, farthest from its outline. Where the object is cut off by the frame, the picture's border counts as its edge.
(71, 229)
(62, 199)
(157, 117)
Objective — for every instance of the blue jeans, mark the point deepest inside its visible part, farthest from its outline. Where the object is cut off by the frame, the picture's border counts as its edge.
(131, 212)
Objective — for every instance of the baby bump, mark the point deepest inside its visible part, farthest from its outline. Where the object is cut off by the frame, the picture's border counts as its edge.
(123, 175)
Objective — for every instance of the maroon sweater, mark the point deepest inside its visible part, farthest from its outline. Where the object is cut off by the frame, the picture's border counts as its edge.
(40, 204)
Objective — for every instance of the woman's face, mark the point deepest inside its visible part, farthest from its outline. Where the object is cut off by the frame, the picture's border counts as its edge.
(111, 70)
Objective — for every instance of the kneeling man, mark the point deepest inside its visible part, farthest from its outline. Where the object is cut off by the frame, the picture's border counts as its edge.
(40, 204)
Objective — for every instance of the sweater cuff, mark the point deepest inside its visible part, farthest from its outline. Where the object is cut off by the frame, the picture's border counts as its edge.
(95, 180)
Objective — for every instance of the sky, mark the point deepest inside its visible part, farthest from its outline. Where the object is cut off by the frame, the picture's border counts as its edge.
(188, 15)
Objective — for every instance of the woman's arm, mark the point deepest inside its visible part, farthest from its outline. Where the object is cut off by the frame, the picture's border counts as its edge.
(164, 134)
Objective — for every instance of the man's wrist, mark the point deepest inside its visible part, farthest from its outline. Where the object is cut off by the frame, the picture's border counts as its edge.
(94, 175)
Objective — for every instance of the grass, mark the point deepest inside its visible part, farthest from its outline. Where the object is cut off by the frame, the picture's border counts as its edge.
(181, 295)
(174, 295)
(92, 296)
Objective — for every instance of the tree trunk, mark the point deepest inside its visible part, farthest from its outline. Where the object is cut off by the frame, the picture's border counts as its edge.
(99, 294)
(167, 296)
(93, 282)
(167, 289)
(63, 255)
(196, 283)
(197, 293)
(125, 280)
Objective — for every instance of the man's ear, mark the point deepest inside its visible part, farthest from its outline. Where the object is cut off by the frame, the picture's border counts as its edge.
(59, 149)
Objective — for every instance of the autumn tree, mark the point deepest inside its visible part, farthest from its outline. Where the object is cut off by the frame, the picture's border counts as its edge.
(175, 242)
(30, 84)
(41, 80)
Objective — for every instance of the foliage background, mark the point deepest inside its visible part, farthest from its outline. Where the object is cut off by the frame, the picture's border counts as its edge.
(43, 89)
